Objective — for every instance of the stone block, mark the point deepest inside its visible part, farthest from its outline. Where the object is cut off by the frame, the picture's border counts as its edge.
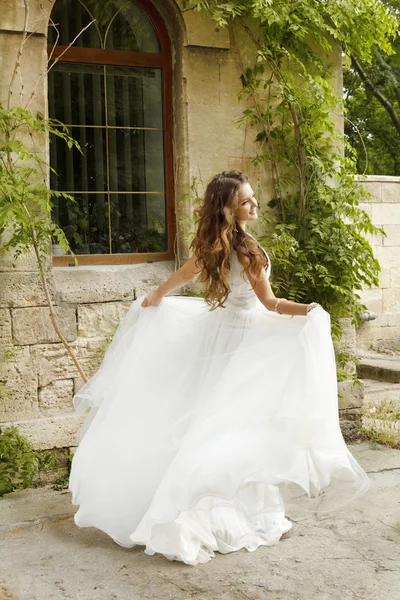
(391, 334)
(389, 257)
(32, 79)
(393, 319)
(56, 397)
(202, 31)
(13, 15)
(229, 83)
(391, 191)
(374, 240)
(385, 213)
(53, 362)
(218, 125)
(84, 285)
(352, 395)
(393, 235)
(33, 325)
(395, 276)
(25, 262)
(20, 399)
(5, 326)
(50, 432)
(203, 68)
(385, 277)
(375, 189)
(367, 207)
(367, 335)
(96, 320)
(348, 339)
(372, 298)
(19, 289)
(391, 300)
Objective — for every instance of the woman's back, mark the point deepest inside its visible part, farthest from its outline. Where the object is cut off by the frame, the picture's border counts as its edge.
(242, 294)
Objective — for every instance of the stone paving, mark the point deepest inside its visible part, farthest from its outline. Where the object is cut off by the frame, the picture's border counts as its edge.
(354, 555)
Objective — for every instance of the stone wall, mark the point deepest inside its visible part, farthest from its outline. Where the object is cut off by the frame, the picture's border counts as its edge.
(38, 375)
(383, 333)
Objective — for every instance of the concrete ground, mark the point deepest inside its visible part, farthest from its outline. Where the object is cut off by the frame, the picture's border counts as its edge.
(354, 555)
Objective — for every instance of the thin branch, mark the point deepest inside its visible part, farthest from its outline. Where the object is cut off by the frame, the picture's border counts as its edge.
(19, 53)
(57, 38)
(387, 105)
(56, 60)
(70, 44)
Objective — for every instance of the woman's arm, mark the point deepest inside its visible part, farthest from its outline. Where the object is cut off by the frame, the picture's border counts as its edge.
(182, 276)
(264, 292)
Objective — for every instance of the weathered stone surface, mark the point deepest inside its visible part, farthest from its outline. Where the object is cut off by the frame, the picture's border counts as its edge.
(372, 298)
(31, 75)
(56, 397)
(218, 125)
(393, 235)
(367, 207)
(33, 325)
(385, 277)
(96, 320)
(388, 256)
(5, 327)
(352, 396)
(385, 213)
(348, 339)
(20, 289)
(25, 262)
(393, 319)
(391, 299)
(52, 362)
(20, 381)
(391, 191)
(13, 15)
(395, 276)
(50, 432)
(374, 188)
(202, 31)
(367, 335)
(112, 282)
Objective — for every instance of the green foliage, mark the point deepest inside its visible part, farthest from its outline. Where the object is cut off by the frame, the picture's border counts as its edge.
(314, 228)
(25, 198)
(368, 127)
(19, 462)
(379, 437)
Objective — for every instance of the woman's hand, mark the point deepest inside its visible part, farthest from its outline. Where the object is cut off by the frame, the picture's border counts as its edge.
(153, 298)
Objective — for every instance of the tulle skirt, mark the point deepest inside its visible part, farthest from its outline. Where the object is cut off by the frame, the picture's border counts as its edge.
(206, 429)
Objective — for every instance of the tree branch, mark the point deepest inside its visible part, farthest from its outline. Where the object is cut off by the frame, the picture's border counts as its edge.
(387, 105)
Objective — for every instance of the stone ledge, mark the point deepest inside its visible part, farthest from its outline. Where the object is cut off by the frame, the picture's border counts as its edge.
(379, 367)
(50, 432)
(107, 283)
(382, 178)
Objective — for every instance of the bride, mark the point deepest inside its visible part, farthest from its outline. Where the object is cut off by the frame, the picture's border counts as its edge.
(210, 420)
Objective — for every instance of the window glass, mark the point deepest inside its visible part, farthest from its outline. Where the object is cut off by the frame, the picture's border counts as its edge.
(116, 115)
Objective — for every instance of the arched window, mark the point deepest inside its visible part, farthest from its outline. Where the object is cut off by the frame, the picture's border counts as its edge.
(112, 88)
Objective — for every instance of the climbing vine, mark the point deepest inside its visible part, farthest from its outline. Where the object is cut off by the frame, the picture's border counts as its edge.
(314, 228)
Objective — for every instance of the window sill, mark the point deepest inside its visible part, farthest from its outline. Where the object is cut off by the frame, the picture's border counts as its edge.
(89, 284)
(111, 259)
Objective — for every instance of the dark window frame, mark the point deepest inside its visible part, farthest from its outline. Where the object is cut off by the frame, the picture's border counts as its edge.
(162, 60)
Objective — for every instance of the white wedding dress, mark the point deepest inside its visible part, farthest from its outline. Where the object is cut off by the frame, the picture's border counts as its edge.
(205, 428)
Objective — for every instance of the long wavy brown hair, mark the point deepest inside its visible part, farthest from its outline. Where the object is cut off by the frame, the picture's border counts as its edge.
(218, 233)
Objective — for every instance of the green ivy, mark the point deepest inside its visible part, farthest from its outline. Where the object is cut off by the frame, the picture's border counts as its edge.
(19, 462)
(313, 228)
(25, 197)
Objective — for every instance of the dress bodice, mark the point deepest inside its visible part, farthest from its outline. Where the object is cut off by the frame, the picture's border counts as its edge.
(242, 294)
